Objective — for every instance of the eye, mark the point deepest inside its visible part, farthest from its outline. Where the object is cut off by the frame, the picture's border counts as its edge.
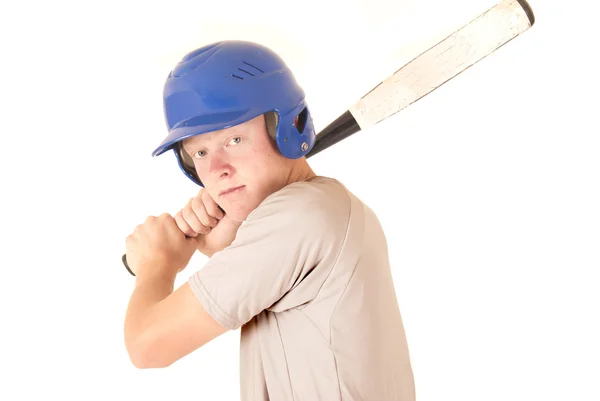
(199, 154)
(236, 140)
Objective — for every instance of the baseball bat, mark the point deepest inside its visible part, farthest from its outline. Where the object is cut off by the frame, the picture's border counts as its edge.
(428, 71)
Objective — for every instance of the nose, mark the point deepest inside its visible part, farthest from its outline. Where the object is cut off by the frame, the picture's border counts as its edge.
(220, 164)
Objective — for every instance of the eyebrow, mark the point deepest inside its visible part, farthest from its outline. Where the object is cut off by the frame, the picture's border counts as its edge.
(219, 134)
(183, 147)
(189, 147)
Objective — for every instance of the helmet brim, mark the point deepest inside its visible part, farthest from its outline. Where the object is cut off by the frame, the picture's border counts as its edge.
(202, 125)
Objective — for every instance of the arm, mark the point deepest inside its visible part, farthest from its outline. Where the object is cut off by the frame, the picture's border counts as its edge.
(237, 283)
(162, 326)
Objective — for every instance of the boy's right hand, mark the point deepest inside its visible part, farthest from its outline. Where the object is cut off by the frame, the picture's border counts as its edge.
(203, 219)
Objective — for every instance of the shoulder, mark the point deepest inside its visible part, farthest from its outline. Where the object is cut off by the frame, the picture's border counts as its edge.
(314, 196)
(319, 197)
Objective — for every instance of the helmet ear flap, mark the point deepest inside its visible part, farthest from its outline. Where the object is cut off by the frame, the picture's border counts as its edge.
(301, 119)
(186, 163)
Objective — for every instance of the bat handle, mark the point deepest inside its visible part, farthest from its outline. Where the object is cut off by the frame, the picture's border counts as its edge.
(124, 259)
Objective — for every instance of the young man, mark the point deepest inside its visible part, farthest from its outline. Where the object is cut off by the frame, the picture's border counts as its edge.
(297, 261)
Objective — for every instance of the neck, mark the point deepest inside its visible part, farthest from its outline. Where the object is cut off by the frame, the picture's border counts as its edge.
(300, 171)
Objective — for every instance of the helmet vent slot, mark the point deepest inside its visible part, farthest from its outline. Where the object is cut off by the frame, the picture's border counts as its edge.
(246, 71)
(253, 66)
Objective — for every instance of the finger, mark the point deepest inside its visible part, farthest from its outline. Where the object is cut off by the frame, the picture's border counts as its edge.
(211, 206)
(149, 220)
(200, 210)
(172, 228)
(148, 226)
(191, 217)
(184, 226)
(129, 240)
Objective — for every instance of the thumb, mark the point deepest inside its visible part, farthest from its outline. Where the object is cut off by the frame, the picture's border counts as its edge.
(195, 242)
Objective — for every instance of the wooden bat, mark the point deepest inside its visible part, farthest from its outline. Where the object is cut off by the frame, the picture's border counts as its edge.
(428, 71)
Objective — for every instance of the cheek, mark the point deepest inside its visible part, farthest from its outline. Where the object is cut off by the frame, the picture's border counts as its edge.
(252, 163)
(200, 171)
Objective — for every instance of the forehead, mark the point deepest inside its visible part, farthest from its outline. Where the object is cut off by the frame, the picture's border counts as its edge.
(200, 139)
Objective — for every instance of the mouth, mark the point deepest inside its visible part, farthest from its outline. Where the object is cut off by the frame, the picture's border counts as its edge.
(231, 190)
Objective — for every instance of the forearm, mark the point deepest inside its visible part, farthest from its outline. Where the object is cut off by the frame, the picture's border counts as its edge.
(148, 292)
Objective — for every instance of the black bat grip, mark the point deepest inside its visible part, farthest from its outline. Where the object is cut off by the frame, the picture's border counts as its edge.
(124, 259)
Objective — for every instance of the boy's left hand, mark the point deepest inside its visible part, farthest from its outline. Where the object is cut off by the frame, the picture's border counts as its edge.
(159, 247)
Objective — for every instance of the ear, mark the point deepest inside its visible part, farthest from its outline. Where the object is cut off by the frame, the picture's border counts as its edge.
(271, 120)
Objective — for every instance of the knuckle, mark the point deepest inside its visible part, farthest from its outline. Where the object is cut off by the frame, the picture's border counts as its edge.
(206, 197)
(187, 215)
(201, 228)
(216, 212)
(210, 221)
(183, 226)
(189, 232)
(178, 219)
(192, 223)
(211, 210)
(204, 230)
(196, 204)
(179, 224)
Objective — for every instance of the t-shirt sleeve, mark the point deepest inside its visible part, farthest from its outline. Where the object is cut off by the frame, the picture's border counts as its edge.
(284, 250)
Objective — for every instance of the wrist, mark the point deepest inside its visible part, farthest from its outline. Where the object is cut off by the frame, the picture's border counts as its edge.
(159, 273)
(205, 250)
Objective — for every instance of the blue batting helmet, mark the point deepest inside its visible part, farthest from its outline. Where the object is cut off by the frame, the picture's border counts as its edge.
(227, 83)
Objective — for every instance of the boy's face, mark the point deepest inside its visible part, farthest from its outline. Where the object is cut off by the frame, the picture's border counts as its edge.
(239, 166)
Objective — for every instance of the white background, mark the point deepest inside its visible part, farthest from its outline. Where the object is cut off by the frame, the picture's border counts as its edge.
(488, 189)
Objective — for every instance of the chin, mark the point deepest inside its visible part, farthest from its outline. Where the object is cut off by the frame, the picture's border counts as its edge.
(238, 214)
(238, 209)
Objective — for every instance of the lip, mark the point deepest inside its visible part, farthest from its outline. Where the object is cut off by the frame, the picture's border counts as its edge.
(229, 190)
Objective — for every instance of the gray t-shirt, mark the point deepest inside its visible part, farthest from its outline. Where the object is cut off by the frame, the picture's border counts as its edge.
(308, 280)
